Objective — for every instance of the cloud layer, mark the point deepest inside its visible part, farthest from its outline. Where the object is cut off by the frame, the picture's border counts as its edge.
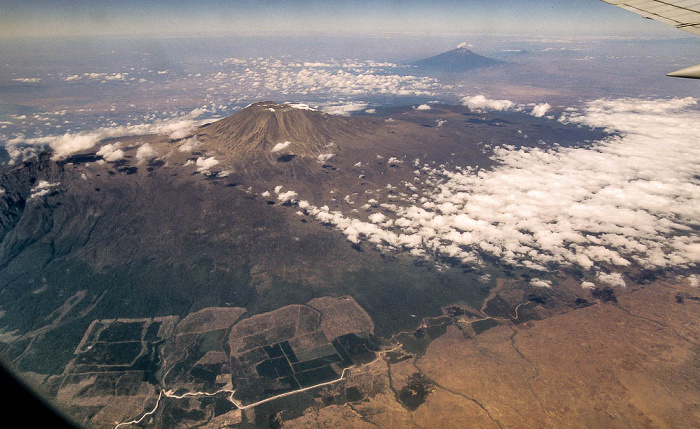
(346, 78)
(629, 200)
(70, 143)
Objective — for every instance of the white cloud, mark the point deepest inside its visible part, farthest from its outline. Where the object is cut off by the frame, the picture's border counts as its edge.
(540, 110)
(280, 146)
(71, 143)
(42, 188)
(145, 152)
(422, 107)
(288, 196)
(587, 285)
(68, 143)
(235, 61)
(27, 79)
(301, 106)
(693, 280)
(111, 152)
(205, 164)
(116, 76)
(345, 109)
(189, 144)
(335, 78)
(317, 64)
(325, 157)
(634, 105)
(614, 204)
(480, 102)
(376, 218)
(612, 279)
(536, 282)
(19, 153)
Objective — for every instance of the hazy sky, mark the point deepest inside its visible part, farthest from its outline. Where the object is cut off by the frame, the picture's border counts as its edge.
(526, 17)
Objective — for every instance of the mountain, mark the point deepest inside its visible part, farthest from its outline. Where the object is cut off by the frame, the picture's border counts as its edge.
(268, 144)
(457, 60)
(203, 223)
(273, 128)
(246, 275)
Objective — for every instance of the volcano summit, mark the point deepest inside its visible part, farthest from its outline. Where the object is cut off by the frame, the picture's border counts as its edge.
(268, 128)
(457, 60)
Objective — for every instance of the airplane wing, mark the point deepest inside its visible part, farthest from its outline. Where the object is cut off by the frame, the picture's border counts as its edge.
(682, 14)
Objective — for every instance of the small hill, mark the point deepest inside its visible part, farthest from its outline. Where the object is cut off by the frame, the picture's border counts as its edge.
(457, 60)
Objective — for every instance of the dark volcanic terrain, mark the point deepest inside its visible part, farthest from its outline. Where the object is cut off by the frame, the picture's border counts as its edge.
(159, 282)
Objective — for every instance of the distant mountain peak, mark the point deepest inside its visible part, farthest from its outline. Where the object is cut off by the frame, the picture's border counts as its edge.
(464, 46)
(462, 58)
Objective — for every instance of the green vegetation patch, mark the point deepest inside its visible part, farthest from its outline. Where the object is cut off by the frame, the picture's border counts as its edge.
(122, 332)
(317, 352)
(398, 293)
(211, 340)
(483, 325)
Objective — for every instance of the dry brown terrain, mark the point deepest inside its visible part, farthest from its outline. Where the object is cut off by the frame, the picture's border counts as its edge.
(634, 363)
